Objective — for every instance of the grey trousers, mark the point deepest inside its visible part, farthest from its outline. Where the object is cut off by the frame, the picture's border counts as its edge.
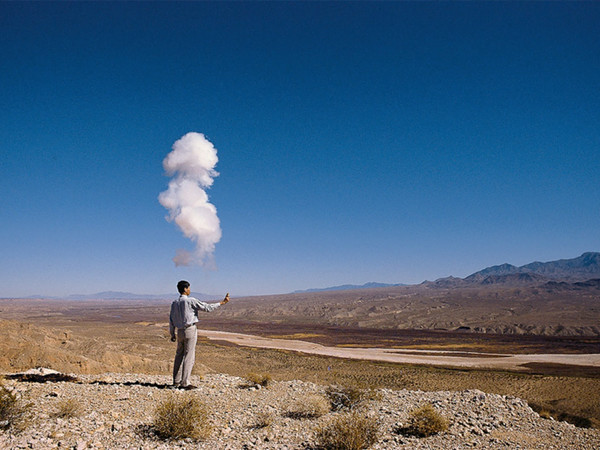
(185, 355)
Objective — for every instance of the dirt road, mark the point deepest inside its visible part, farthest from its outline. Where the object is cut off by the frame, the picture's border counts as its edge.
(429, 357)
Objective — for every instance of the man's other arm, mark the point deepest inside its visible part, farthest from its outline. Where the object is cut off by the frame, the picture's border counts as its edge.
(172, 326)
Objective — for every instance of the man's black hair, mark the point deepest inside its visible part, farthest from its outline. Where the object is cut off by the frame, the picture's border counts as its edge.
(182, 286)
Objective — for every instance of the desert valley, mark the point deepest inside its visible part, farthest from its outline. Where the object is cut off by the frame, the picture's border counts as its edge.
(530, 333)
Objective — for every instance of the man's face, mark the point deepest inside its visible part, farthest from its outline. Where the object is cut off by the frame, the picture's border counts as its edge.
(187, 290)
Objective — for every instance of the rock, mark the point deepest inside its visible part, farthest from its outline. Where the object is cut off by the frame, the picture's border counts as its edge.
(119, 414)
(42, 371)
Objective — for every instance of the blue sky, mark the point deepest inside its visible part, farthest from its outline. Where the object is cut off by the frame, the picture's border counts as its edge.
(390, 142)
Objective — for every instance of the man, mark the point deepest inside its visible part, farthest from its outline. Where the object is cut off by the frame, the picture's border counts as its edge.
(183, 319)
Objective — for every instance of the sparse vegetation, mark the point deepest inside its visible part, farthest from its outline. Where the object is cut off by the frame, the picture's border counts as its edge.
(424, 421)
(348, 397)
(348, 431)
(309, 407)
(69, 407)
(12, 411)
(542, 411)
(258, 379)
(139, 348)
(180, 417)
(264, 419)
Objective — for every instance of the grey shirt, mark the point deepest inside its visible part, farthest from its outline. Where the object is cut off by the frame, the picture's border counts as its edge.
(184, 312)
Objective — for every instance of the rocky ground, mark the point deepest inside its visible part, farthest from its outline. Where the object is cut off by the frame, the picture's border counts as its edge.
(117, 411)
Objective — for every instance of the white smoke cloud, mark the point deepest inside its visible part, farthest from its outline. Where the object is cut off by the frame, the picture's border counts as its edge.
(192, 166)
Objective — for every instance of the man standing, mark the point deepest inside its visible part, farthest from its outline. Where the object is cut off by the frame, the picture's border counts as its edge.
(183, 319)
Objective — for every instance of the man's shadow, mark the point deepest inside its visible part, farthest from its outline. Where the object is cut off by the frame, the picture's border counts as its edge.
(61, 377)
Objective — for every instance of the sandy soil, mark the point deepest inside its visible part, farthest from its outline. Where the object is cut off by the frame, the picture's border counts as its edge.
(430, 357)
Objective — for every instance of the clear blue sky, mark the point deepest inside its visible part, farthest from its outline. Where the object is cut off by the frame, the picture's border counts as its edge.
(390, 142)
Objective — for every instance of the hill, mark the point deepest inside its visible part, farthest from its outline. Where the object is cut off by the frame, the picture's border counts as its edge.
(348, 287)
(584, 267)
(119, 295)
(513, 304)
(117, 411)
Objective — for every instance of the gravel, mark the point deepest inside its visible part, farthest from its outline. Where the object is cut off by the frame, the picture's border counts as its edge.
(117, 412)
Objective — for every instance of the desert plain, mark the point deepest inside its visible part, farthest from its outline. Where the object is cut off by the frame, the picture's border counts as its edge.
(529, 342)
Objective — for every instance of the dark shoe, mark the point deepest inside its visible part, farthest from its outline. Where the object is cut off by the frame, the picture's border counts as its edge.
(189, 387)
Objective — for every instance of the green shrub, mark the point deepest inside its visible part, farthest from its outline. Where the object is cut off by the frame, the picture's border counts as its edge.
(180, 417)
(424, 421)
(348, 431)
(309, 407)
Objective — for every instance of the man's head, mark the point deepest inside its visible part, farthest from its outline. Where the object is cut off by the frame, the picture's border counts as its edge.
(182, 286)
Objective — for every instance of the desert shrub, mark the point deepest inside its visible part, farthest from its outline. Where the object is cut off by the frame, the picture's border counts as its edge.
(258, 379)
(309, 407)
(542, 411)
(347, 397)
(68, 408)
(12, 411)
(264, 419)
(348, 431)
(180, 417)
(424, 421)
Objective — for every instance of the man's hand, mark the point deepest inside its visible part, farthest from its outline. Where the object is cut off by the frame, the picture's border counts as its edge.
(225, 300)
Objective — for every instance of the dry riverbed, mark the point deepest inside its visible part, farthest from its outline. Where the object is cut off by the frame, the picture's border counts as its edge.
(473, 360)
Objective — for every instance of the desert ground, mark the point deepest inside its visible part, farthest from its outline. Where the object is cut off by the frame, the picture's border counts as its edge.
(546, 309)
(95, 337)
(460, 359)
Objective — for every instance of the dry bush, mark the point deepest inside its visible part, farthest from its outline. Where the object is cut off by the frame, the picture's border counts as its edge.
(542, 411)
(424, 421)
(348, 397)
(264, 419)
(309, 407)
(258, 379)
(180, 417)
(348, 431)
(68, 408)
(12, 411)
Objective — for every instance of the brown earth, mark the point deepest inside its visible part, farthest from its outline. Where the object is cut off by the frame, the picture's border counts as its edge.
(544, 310)
(474, 360)
(99, 337)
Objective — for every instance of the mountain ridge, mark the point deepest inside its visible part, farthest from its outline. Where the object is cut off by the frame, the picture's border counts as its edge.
(119, 295)
(580, 269)
(348, 287)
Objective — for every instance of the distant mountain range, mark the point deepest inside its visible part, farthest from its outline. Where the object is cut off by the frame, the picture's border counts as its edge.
(346, 287)
(583, 268)
(117, 295)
